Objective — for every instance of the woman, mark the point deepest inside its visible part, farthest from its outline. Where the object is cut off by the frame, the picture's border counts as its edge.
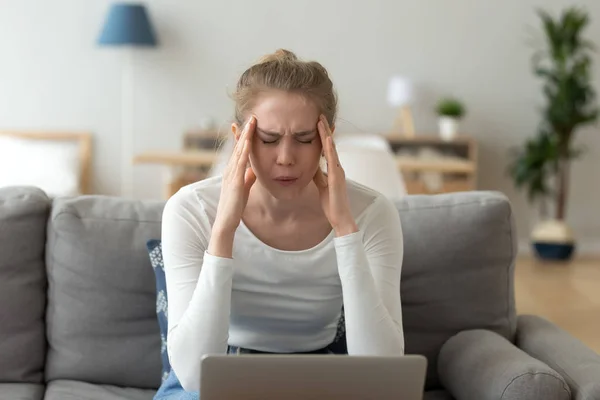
(266, 256)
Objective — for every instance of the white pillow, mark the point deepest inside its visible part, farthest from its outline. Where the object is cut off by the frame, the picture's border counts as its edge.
(53, 166)
(374, 167)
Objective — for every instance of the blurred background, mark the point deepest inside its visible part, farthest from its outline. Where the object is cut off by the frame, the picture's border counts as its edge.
(134, 102)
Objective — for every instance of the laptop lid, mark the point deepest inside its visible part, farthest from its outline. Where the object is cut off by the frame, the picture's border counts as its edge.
(305, 377)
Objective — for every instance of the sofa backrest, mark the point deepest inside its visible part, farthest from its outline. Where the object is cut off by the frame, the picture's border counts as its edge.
(23, 216)
(101, 315)
(459, 254)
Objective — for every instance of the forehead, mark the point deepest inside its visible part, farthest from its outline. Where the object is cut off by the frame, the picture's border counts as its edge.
(282, 111)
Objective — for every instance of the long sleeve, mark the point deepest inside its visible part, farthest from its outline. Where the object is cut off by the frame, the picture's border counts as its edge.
(370, 264)
(198, 289)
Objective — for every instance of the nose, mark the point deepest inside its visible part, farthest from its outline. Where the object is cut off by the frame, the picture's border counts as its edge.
(285, 153)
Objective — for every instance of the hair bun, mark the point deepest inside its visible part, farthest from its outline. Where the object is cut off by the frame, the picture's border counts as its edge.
(283, 71)
(279, 55)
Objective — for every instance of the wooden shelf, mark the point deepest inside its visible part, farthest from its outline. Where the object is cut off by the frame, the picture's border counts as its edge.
(458, 163)
(188, 158)
(429, 139)
(447, 167)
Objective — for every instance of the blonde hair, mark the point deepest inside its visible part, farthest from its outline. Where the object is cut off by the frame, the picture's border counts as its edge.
(282, 70)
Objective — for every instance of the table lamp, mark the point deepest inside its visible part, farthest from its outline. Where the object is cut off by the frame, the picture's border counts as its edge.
(399, 95)
(127, 25)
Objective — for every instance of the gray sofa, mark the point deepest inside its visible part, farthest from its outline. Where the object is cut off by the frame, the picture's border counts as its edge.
(78, 316)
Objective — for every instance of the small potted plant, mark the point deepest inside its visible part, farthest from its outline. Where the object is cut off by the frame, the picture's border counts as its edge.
(450, 111)
(541, 166)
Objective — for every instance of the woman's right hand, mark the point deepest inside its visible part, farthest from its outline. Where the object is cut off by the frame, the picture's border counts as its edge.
(236, 184)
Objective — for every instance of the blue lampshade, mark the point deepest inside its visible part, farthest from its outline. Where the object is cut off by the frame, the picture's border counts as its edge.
(127, 24)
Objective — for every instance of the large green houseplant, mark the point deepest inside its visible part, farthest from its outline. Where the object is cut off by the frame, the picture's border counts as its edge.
(542, 166)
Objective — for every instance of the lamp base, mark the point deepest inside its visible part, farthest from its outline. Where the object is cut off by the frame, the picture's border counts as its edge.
(404, 123)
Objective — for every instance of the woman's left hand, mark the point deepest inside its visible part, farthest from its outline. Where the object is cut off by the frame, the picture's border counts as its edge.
(332, 187)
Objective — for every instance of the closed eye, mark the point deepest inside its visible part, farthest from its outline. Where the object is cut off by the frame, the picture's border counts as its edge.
(305, 141)
(304, 137)
(277, 140)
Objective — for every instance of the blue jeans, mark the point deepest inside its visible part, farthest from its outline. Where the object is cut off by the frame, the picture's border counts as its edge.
(171, 388)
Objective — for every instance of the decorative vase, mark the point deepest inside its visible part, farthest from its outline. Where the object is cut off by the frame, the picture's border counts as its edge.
(553, 240)
(448, 128)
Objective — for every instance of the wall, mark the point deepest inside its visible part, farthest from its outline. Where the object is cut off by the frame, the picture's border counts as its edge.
(53, 76)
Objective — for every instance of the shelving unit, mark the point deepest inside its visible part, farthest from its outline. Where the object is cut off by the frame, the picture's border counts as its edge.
(422, 160)
(429, 158)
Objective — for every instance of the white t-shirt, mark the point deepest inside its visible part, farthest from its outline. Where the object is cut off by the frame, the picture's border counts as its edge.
(279, 301)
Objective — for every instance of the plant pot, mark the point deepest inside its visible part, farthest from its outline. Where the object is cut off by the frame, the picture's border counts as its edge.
(448, 128)
(553, 240)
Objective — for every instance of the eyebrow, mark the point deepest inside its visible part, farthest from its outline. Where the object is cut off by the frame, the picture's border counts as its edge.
(302, 133)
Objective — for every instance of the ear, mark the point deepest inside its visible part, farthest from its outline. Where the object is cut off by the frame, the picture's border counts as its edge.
(236, 130)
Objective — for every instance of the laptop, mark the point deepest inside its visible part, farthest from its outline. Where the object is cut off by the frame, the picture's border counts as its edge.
(308, 377)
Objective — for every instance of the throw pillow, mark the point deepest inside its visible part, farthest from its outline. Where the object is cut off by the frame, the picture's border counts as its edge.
(154, 247)
(53, 166)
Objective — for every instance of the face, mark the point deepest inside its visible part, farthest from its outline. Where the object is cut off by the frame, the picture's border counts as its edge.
(286, 148)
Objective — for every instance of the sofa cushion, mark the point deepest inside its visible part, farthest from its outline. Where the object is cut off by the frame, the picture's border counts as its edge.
(457, 275)
(101, 317)
(23, 215)
(457, 271)
(563, 352)
(75, 390)
(480, 364)
(437, 395)
(21, 391)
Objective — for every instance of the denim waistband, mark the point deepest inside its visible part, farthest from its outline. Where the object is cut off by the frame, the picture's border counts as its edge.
(242, 350)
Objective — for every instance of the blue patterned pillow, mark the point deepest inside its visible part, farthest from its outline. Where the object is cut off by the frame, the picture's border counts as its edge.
(155, 252)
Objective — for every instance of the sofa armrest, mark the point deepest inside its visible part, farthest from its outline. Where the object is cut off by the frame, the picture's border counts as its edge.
(577, 363)
(482, 365)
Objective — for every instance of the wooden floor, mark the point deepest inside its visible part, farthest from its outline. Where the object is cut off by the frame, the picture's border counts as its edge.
(566, 294)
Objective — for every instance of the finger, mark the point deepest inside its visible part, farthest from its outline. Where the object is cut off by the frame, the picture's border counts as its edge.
(335, 155)
(247, 146)
(251, 127)
(331, 154)
(322, 131)
(242, 161)
(231, 165)
(249, 179)
(240, 143)
(326, 123)
(231, 162)
(320, 179)
(329, 135)
(325, 141)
